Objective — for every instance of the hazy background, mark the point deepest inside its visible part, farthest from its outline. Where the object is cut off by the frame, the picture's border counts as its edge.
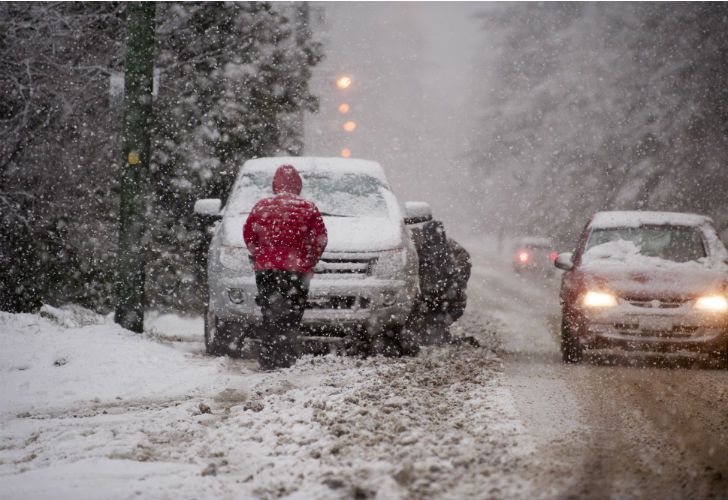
(525, 118)
(509, 118)
(411, 63)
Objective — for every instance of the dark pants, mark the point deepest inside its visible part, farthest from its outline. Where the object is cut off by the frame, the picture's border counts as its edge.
(282, 299)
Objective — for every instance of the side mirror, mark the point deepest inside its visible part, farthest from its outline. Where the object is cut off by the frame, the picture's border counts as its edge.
(209, 208)
(416, 212)
(565, 261)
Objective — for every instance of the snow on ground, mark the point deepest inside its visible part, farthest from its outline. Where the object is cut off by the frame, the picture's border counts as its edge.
(48, 365)
(89, 410)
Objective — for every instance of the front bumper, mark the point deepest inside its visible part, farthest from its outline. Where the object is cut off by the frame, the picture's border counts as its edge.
(370, 303)
(656, 330)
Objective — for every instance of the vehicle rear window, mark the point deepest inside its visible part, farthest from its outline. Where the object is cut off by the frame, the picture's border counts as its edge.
(667, 242)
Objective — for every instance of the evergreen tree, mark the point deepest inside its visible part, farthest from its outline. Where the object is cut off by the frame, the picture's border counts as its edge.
(231, 77)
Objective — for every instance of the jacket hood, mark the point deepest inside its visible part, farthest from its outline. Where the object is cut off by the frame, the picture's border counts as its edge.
(287, 180)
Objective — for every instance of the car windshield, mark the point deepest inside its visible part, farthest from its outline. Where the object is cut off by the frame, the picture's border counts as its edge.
(337, 195)
(673, 243)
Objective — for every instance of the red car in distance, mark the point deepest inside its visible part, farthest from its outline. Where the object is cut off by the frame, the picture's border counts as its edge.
(534, 255)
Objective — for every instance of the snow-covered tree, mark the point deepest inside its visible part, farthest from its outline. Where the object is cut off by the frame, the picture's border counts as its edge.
(601, 106)
(58, 150)
(233, 80)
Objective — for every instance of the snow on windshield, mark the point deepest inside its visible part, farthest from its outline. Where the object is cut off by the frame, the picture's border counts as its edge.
(342, 195)
(646, 243)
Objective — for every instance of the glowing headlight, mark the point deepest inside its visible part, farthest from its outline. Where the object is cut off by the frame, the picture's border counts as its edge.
(599, 299)
(712, 303)
(235, 258)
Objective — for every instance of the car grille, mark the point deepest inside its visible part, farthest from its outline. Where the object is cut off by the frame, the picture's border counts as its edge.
(655, 303)
(676, 331)
(337, 302)
(356, 266)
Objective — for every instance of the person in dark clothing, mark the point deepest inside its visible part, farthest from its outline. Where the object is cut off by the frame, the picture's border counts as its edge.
(286, 237)
(282, 299)
(444, 272)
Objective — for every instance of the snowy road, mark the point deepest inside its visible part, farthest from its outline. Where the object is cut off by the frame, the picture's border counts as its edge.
(92, 411)
(88, 410)
(626, 429)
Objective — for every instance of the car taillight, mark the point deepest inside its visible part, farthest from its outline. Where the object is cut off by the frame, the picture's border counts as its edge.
(523, 257)
(553, 256)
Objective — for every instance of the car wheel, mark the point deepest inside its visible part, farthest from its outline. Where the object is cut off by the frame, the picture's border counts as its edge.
(571, 350)
(723, 357)
(215, 334)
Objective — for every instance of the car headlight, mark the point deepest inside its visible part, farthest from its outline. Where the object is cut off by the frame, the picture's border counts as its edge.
(712, 303)
(390, 263)
(599, 299)
(235, 258)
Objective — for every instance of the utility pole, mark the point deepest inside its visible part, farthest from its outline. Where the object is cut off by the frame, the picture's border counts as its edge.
(138, 82)
(303, 34)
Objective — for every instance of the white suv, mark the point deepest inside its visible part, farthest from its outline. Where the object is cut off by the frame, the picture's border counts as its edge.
(366, 280)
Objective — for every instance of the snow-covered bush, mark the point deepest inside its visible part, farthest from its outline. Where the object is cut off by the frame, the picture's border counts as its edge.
(601, 106)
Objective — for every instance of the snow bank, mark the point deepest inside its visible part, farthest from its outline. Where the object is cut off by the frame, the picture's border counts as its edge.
(98, 412)
(46, 364)
(175, 327)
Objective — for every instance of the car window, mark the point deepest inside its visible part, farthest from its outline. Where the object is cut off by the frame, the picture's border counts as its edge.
(344, 195)
(667, 242)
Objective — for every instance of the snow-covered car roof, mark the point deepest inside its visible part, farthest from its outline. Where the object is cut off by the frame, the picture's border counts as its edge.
(318, 164)
(637, 218)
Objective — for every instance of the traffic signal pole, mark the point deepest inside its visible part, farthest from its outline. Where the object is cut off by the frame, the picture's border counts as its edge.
(138, 81)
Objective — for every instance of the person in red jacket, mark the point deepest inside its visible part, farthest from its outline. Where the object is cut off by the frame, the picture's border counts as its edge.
(285, 235)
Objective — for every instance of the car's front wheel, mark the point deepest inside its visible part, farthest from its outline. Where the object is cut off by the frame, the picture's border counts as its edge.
(571, 349)
(722, 357)
(216, 335)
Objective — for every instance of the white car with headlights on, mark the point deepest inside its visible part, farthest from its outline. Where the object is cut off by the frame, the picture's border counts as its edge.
(367, 279)
(645, 281)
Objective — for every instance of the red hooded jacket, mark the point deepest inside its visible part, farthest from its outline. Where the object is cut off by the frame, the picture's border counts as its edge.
(285, 232)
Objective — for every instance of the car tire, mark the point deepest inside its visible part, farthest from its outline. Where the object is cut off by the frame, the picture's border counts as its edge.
(571, 351)
(723, 357)
(216, 336)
